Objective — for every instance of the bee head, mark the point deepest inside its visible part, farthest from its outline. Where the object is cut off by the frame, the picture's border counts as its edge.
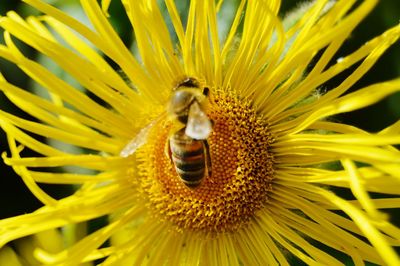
(189, 83)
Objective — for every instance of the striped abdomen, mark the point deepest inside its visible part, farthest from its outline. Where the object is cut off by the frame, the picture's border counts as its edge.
(188, 157)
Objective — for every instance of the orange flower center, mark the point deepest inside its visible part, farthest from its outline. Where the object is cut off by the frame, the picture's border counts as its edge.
(241, 171)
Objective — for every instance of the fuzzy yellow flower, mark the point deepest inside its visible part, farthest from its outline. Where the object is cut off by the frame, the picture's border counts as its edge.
(268, 195)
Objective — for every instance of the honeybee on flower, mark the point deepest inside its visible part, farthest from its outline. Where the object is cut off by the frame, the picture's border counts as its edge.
(261, 189)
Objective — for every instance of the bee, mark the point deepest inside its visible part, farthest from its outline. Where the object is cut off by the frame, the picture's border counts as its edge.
(187, 147)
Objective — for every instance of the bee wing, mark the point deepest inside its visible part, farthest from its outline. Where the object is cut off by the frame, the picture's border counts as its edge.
(139, 140)
(198, 125)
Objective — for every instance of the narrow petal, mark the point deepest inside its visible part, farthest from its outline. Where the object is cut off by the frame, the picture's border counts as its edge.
(39, 193)
(358, 139)
(387, 253)
(99, 143)
(371, 51)
(154, 42)
(114, 49)
(74, 178)
(347, 103)
(359, 191)
(335, 152)
(46, 111)
(83, 248)
(94, 162)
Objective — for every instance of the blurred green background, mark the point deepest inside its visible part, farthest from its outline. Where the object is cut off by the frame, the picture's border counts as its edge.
(16, 199)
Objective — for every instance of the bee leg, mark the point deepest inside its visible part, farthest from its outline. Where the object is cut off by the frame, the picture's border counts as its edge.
(167, 150)
(212, 123)
(208, 159)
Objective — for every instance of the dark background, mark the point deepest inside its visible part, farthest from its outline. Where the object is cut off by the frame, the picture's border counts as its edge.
(16, 199)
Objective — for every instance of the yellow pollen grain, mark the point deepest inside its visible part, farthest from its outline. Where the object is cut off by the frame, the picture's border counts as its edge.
(241, 174)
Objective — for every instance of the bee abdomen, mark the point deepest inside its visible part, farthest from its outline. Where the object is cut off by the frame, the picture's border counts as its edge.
(187, 152)
(191, 178)
(189, 160)
(189, 163)
(190, 169)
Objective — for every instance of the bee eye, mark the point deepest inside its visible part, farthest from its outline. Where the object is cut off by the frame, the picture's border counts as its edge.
(206, 91)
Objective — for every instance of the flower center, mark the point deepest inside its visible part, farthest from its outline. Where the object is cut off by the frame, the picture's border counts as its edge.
(241, 171)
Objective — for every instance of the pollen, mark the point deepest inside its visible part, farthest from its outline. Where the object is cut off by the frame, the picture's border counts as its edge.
(241, 171)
